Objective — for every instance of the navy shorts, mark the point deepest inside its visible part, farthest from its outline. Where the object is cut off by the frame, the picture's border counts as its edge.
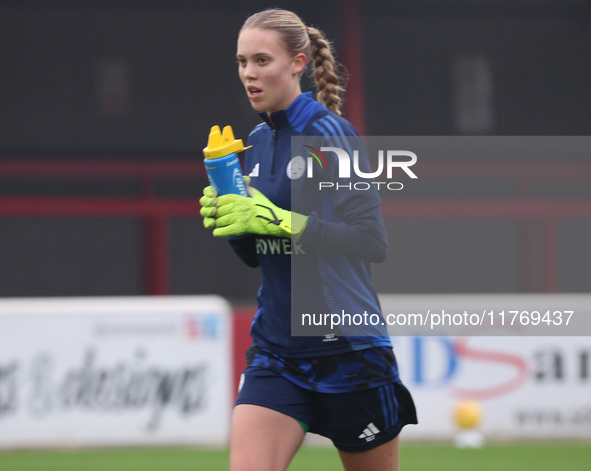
(354, 421)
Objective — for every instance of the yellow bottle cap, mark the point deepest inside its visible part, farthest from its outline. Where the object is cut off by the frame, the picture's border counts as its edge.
(223, 143)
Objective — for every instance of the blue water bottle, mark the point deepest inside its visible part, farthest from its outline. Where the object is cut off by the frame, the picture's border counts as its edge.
(222, 163)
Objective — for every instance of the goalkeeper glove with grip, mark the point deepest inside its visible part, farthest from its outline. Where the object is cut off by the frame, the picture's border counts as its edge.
(208, 208)
(234, 215)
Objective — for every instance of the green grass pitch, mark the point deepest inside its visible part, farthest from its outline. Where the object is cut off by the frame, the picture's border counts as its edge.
(414, 457)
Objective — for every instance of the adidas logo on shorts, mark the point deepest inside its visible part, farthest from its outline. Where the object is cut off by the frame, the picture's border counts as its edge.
(369, 433)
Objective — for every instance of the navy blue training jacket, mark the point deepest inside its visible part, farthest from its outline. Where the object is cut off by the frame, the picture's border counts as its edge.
(328, 269)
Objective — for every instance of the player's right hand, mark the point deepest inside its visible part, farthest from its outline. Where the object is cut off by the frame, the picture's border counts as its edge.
(208, 207)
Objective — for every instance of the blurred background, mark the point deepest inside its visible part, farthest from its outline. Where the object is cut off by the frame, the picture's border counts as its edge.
(105, 107)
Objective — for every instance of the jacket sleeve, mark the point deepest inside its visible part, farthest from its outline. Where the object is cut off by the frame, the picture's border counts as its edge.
(245, 249)
(361, 235)
(346, 219)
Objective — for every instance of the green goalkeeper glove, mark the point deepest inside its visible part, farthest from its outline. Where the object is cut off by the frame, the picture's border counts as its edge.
(208, 208)
(235, 215)
(256, 214)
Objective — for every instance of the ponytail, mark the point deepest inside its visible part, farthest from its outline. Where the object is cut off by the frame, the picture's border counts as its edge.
(330, 92)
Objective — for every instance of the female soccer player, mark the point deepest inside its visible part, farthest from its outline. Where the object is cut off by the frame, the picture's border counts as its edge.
(314, 247)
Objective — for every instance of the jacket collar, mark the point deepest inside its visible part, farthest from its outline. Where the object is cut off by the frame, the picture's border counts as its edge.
(295, 115)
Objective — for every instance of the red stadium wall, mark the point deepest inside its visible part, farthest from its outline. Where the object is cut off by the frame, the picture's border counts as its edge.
(156, 211)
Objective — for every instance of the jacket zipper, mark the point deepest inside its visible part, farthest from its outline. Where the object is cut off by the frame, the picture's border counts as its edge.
(274, 151)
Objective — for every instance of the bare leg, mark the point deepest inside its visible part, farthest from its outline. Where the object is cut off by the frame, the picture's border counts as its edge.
(381, 458)
(263, 439)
